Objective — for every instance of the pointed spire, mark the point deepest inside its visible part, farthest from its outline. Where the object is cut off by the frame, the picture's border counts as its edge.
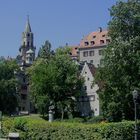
(28, 27)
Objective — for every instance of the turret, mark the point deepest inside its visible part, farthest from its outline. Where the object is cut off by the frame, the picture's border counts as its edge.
(27, 43)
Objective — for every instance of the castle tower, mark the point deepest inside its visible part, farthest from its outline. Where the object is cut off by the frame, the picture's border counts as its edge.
(27, 48)
(25, 59)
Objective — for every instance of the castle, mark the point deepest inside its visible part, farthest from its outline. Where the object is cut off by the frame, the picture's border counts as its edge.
(25, 59)
(88, 54)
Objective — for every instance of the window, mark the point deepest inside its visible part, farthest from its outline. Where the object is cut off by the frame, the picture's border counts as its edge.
(101, 41)
(85, 87)
(23, 97)
(95, 109)
(91, 86)
(85, 72)
(91, 53)
(85, 54)
(94, 36)
(23, 108)
(76, 48)
(28, 35)
(91, 61)
(24, 87)
(108, 41)
(100, 52)
(103, 35)
(88, 78)
(24, 80)
(92, 98)
(28, 43)
(86, 43)
(92, 42)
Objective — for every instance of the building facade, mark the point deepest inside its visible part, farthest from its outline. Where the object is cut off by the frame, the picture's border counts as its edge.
(91, 48)
(88, 103)
(25, 59)
(89, 54)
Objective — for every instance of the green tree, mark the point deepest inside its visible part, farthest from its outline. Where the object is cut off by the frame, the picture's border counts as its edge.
(121, 70)
(8, 95)
(58, 80)
(45, 51)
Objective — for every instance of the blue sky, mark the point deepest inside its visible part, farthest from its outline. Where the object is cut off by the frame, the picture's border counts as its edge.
(59, 21)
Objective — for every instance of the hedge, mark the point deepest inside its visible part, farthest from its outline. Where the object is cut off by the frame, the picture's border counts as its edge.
(42, 130)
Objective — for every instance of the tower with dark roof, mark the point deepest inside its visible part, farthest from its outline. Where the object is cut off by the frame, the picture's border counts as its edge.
(27, 48)
(25, 59)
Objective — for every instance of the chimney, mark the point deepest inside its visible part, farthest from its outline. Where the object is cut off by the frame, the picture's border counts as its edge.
(100, 29)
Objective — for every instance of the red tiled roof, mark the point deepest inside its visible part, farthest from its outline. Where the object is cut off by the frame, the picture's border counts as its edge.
(98, 38)
(74, 50)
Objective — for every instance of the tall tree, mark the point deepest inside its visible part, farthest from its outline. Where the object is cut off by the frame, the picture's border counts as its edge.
(121, 70)
(45, 51)
(57, 81)
(8, 83)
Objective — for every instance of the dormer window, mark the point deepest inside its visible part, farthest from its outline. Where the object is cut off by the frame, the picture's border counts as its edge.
(102, 42)
(108, 41)
(92, 42)
(86, 43)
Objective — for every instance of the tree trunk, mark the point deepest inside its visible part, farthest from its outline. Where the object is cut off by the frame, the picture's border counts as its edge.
(62, 114)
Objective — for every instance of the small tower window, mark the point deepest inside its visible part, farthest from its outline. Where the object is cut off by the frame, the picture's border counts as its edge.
(28, 43)
(28, 35)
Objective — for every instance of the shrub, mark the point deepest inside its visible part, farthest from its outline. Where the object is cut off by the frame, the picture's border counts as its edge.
(20, 124)
(42, 130)
(95, 119)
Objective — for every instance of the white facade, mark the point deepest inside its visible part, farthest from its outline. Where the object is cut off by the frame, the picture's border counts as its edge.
(92, 55)
(89, 99)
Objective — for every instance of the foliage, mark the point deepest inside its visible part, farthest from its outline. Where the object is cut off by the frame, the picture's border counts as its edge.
(20, 124)
(120, 73)
(95, 119)
(45, 51)
(43, 130)
(8, 96)
(55, 83)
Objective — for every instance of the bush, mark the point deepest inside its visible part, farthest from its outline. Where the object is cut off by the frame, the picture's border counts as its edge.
(95, 119)
(43, 130)
(20, 124)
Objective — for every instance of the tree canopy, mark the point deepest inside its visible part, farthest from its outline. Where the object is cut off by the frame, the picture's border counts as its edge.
(56, 81)
(8, 95)
(121, 70)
